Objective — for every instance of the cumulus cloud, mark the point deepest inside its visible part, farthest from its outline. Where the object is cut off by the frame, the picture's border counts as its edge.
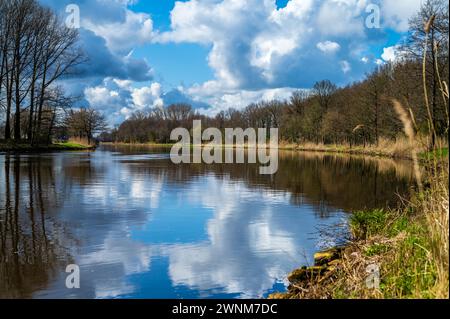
(104, 25)
(256, 46)
(389, 54)
(109, 98)
(119, 99)
(136, 30)
(393, 54)
(122, 28)
(328, 47)
(101, 96)
(146, 96)
(342, 18)
(238, 99)
(396, 14)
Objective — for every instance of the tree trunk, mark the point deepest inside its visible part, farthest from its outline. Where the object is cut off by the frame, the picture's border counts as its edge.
(9, 84)
(41, 98)
(434, 91)
(31, 113)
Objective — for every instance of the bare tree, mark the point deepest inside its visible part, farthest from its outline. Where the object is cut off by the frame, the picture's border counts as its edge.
(85, 123)
(36, 50)
(324, 91)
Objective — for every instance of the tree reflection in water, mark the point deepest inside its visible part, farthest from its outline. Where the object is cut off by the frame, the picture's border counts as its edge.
(32, 250)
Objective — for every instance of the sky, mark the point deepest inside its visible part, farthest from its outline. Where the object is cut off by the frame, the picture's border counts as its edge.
(217, 54)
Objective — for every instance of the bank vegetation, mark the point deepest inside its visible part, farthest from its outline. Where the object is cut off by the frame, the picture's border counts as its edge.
(402, 253)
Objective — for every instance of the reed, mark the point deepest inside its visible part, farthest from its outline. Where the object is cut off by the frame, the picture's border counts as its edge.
(399, 148)
(409, 131)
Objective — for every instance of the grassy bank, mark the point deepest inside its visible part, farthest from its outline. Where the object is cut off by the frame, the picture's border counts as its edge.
(149, 144)
(392, 254)
(27, 148)
(410, 247)
(398, 149)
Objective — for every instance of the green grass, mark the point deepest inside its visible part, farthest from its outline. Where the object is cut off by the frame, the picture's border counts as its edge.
(149, 144)
(411, 272)
(408, 271)
(376, 249)
(23, 147)
(438, 154)
(365, 224)
(71, 145)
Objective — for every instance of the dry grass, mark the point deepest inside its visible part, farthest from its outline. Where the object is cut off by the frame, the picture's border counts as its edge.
(399, 148)
(409, 246)
(436, 211)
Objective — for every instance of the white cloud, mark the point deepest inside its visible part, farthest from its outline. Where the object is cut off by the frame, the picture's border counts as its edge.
(257, 47)
(142, 97)
(155, 87)
(119, 99)
(328, 47)
(124, 84)
(392, 54)
(345, 66)
(238, 99)
(146, 96)
(342, 18)
(101, 96)
(135, 30)
(396, 14)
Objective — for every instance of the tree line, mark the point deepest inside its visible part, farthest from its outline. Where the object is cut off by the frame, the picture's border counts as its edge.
(360, 113)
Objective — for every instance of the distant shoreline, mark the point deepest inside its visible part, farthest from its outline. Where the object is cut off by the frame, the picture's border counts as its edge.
(372, 150)
(26, 148)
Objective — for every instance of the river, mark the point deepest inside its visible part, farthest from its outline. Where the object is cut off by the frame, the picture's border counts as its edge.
(139, 226)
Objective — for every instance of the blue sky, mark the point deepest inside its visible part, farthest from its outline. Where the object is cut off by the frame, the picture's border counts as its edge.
(217, 54)
(170, 59)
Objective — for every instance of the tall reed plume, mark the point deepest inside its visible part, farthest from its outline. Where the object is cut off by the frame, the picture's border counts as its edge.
(409, 131)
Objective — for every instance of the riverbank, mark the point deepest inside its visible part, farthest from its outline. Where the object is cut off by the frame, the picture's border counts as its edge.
(162, 145)
(398, 149)
(392, 254)
(26, 148)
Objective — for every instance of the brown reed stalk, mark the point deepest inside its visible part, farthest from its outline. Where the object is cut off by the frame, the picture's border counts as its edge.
(409, 131)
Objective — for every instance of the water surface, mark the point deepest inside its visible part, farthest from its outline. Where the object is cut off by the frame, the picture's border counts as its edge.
(141, 227)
